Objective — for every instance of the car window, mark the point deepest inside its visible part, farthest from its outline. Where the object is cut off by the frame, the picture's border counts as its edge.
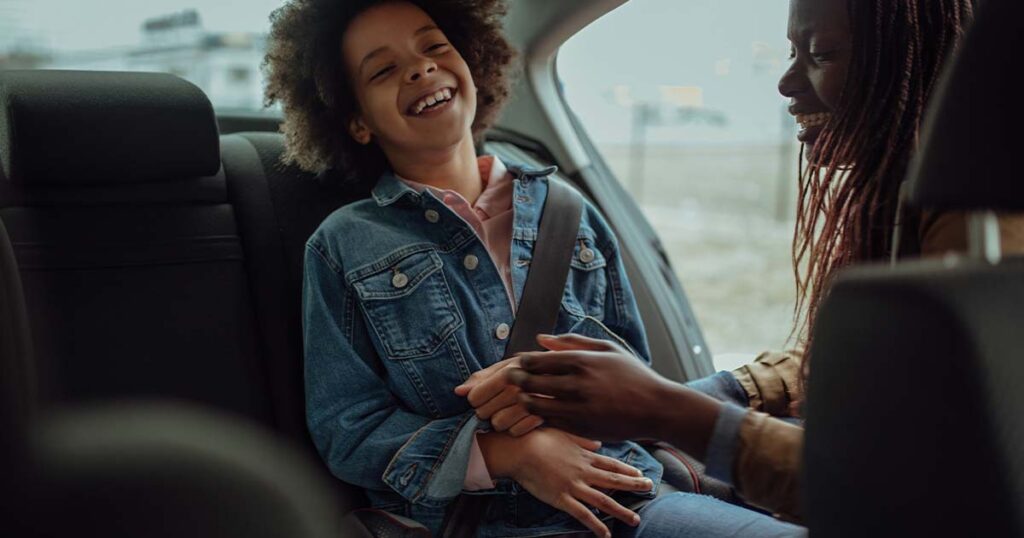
(216, 44)
(680, 99)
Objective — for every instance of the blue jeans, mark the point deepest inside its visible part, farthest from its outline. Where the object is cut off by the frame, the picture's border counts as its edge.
(685, 515)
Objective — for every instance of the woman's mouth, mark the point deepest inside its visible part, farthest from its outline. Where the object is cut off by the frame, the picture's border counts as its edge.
(811, 125)
(818, 119)
(433, 103)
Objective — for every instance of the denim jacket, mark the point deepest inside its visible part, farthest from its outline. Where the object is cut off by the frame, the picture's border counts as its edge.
(401, 303)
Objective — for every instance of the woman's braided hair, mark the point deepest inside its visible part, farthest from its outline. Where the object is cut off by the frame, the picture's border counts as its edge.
(849, 190)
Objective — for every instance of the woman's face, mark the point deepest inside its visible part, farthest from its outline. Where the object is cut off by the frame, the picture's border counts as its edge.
(821, 44)
(414, 90)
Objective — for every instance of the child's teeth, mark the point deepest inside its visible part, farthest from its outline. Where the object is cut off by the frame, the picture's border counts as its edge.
(431, 100)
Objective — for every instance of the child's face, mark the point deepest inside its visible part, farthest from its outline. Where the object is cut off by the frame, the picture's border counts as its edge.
(414, 90)
(819, 32)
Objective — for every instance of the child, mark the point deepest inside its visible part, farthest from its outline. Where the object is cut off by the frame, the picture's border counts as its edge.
(409, 292)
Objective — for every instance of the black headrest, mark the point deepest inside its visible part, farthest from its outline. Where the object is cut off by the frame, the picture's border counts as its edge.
(89, 128)
(969, 157)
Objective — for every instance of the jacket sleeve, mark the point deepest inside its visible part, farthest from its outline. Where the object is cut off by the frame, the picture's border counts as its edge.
(621, 312)
(766, 471)
(362, 432)
(773, 382)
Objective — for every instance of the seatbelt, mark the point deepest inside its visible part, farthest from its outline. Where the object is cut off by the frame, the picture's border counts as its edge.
(549, 269)
(537, 313)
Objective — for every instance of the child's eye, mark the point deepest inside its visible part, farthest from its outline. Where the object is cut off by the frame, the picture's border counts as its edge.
(436, 46)
(382, 73)
(792, 53)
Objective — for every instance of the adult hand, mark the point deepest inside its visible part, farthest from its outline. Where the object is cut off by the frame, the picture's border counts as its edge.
(564, 471)
(494, 399)
(599, 390)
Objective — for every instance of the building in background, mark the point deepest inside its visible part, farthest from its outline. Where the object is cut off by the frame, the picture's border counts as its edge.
(224, 65)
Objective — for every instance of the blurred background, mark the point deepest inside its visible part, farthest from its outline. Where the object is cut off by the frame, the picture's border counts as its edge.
(679, 96)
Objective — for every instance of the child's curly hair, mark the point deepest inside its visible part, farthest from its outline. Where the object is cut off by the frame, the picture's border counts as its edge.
(305, 73)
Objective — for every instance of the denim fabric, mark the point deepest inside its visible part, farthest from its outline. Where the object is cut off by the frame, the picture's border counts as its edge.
(689, 515)
(720, 456)
(721, 386)
(395, 318)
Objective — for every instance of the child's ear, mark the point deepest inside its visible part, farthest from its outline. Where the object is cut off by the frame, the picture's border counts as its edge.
(359, 131)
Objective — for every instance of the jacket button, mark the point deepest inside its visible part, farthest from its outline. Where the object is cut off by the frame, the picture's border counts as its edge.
(471, 262)
(432, 216)
(586, 255)
(399, 280)
(502, 331)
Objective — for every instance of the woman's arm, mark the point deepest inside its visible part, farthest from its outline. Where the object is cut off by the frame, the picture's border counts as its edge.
(766, 470)
(363, 433)
(599, 390)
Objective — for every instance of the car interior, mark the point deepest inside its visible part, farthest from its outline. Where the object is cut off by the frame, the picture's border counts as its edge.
(151, 255)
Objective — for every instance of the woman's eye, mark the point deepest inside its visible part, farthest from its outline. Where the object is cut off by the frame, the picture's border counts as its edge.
(792, 53)
(382, 72)
(823, 56)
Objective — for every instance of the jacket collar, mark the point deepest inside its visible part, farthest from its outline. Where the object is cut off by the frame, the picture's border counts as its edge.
(389, 189)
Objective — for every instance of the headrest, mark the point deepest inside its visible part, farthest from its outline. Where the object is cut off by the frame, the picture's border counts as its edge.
(969, 154)
(93, 128)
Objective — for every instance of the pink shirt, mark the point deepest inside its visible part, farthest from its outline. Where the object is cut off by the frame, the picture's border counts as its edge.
(491, 217)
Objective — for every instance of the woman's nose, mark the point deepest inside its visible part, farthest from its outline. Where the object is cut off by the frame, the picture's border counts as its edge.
(793, 81)
(419, 70)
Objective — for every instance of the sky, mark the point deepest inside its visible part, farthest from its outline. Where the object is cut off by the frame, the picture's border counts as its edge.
(95, 24)
(732, 50)
(728, 54)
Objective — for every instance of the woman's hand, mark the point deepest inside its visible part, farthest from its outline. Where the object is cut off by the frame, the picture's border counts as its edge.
(598, 389)
(564, 471)
(494, 399)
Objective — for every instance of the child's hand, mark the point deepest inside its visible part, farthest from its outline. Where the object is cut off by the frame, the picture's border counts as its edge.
(563, 471)
(480, 376)
(494, 399)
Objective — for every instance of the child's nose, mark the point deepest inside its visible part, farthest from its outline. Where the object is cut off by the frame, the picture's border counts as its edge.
(420, 70)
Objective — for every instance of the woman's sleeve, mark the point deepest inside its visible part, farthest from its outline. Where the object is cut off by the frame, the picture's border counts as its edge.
(363, 433)
(766, 470)
(941, 233)
(773, 382)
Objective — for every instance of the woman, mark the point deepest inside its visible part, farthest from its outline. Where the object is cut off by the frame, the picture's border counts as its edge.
(861, 76)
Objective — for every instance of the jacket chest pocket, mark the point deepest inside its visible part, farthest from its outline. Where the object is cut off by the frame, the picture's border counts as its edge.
(587, 285)
(408, 304)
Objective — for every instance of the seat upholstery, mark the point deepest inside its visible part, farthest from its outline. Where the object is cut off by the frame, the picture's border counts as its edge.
(170, 471)
(914, 404)
(143, 279)
(135, 283)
